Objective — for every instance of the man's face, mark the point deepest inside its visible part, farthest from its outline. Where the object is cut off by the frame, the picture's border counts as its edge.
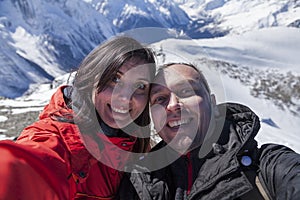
(180, 107)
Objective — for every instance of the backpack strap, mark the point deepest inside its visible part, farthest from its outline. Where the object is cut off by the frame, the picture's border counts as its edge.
(261, 188)
(258, 192)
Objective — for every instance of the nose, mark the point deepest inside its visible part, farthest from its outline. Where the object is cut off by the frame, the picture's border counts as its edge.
(174, 104)
(123, 93)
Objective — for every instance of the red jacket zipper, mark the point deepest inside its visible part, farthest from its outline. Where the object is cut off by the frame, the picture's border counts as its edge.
(190, 172)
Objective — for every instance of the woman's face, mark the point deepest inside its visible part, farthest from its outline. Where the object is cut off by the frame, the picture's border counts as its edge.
(125, 95)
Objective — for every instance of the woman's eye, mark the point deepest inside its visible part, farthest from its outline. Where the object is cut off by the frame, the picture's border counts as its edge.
(116, 79)
(140, 86)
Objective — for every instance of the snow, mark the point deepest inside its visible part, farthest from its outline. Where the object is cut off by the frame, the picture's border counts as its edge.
(275, 47)
(3, 118)
(241, 16)
(36, 97)
(2, 137)
(28, 47)
(286, 134)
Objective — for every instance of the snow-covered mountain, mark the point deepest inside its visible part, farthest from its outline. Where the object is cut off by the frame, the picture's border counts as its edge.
(41, 39)
(239, 16)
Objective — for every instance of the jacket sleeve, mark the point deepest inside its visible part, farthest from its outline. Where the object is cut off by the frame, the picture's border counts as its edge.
(127, 190)
(33, 167)
(280, 171)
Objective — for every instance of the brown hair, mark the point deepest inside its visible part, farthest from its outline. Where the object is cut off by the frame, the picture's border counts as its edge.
(98, 68)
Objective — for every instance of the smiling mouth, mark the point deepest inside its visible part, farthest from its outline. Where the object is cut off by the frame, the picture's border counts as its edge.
(119, 110)
(177, 123)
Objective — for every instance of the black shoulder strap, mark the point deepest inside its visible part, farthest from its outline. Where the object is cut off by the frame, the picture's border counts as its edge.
(261, 188)
(258, 192)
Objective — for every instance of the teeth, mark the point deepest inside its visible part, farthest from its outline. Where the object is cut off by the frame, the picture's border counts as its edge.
(178, 122)
(119, 110)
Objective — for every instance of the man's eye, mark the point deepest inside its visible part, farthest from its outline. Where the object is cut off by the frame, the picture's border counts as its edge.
(158, 100)
(186, 92)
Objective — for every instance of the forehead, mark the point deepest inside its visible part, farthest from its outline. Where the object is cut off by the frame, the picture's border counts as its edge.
(176, 75)
(135, 67)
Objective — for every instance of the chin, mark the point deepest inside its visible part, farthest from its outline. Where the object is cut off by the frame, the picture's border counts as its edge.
(116, 125)
(120, 126)
(182, 145)
(180, 150)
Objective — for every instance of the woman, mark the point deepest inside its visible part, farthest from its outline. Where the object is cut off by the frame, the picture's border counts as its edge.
(73, 151)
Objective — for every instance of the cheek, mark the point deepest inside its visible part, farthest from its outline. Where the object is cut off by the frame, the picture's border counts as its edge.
(205, 116)
(139, 102)
(97, 103)
(204, 107)
(101, 98)
(165, 137)
(159, 116)
(194, 104)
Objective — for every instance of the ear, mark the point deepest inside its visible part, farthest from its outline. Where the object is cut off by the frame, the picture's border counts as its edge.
(213, 99)
(215, 108)
(212, 135)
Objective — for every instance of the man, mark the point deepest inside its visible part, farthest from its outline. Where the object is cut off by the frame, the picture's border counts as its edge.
(218, 157)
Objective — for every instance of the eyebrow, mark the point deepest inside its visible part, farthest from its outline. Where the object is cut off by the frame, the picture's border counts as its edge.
(140, 79)
(196, 83)
(120, 72)
(155, 88)
(187, 81)
(143, 79)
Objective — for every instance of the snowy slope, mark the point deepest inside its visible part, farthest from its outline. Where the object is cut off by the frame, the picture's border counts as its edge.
(275, 47)
(287, 130)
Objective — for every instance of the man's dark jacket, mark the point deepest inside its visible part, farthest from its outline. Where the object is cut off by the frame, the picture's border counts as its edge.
(228, 171)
